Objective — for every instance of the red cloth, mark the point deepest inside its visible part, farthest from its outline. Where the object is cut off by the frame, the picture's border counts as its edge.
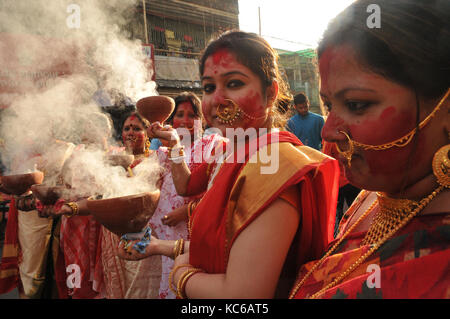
(208, 246)
(57, 206)
(9, 266)
(81, 245)
(413, 264)
(198, 182)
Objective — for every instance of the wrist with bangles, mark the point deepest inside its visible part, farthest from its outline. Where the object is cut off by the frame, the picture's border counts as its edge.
(180, 289)
(176, 153)
(74, 207)
(178, 248)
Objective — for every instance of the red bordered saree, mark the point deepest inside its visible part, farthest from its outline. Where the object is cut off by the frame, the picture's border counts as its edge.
(241, 193)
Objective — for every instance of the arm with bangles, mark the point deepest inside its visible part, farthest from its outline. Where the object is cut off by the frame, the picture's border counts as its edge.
(68, 208)
(168, 248)
(273, 232)
(180, 171)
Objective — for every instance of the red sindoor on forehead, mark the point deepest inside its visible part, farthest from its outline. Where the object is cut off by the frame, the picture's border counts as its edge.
(222, 57)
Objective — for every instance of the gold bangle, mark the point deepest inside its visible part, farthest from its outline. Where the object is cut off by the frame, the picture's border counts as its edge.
(181, 250)
(74, 207)
(175, 246)
(180, 150)
(181, 285)
(172, 273)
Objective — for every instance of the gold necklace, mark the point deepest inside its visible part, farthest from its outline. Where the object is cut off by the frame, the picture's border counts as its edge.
(392, 212)
(421, 205)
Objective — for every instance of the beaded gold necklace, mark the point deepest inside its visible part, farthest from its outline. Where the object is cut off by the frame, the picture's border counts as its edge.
(381, 238)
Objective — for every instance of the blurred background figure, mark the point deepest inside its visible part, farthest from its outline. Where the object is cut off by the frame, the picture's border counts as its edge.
(306, 125)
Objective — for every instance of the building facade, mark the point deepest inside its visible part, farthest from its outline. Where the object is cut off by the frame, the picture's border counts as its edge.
(179, 31)
(300, 68)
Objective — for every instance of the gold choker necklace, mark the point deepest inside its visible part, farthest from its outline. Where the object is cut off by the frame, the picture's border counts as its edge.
(391, 213)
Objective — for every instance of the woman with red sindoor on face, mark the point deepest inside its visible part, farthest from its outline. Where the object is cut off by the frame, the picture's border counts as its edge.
(262, 216)
(169, 222)
(126, 279)
(387, 90)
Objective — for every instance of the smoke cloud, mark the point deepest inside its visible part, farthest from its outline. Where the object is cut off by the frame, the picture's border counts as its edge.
(54, 56)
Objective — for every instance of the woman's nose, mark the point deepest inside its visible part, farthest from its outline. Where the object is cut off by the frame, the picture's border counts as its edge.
(331, 129)
(219, 96)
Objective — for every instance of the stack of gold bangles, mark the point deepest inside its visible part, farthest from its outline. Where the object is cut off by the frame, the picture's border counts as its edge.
(179, 153)
(178, 248)
(74, 207)
(180, 290)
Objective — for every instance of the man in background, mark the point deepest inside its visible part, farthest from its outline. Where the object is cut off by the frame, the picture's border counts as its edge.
(306, 125)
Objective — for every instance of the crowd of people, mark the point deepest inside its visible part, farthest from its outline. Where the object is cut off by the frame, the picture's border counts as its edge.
(251, 203)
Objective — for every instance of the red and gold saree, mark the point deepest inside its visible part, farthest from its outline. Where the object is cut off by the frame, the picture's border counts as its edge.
(240, 193)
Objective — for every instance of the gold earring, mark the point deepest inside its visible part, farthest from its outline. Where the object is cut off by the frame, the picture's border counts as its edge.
(228, 113)
(147, 148)
(441, 166)
(347, 154)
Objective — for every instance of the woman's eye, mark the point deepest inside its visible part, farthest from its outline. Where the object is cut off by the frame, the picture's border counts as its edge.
(235, 83)
(209, 88)
(137, 129)
(126, 129)
(180, 114)
(356, 106)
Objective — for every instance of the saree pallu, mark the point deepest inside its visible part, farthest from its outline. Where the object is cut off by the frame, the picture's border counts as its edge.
(414, 264)
(241, 193)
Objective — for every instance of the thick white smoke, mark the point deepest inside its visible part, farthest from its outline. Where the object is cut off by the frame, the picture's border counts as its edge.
(84, 39)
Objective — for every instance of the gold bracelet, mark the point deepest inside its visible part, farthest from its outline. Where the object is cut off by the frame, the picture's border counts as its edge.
(180, 150)
(74, 207)
(179, 248)
(181, 286)
(181, 251)
(172, 273)
(175, 246)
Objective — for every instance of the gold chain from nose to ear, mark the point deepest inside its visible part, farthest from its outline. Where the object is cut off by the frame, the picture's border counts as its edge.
(421, 205)
(400, 142)
(227, 114)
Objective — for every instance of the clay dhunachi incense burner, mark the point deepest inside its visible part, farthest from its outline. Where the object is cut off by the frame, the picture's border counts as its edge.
(20, 183)
(126, 214)
(156, 108)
